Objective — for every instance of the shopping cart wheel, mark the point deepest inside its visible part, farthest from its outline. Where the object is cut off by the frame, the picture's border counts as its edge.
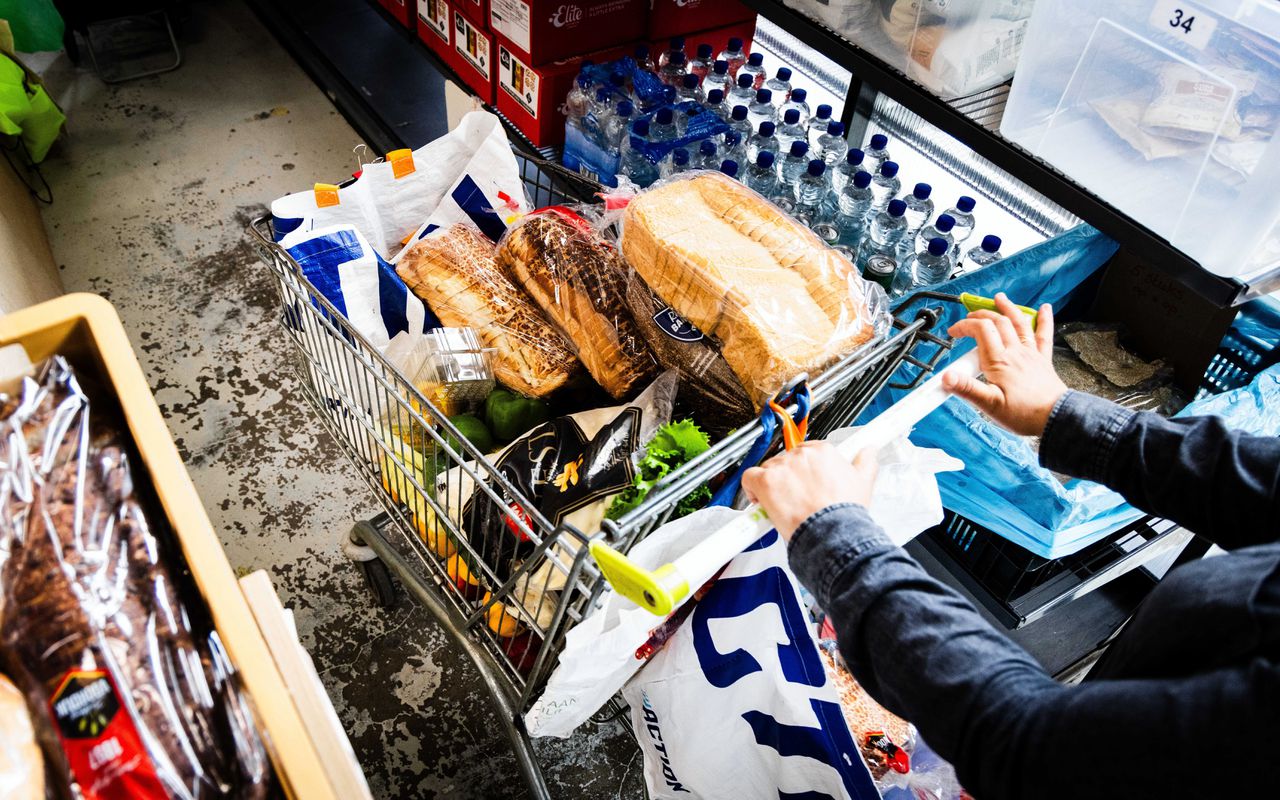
(376, 575)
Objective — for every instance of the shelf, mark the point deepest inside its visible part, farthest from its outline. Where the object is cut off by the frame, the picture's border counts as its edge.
(974, 122)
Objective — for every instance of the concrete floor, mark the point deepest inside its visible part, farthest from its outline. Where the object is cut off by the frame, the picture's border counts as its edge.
(153, 187)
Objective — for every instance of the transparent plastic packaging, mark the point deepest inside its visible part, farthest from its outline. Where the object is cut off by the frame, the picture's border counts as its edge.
(886, 740)
(779, 302)
(128, 698)
(579, 281)
(456, 272)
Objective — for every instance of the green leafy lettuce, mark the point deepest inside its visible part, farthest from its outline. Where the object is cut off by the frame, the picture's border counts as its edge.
(674, 445)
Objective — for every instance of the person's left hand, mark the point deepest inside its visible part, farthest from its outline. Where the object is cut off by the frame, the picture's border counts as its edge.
(793, 486)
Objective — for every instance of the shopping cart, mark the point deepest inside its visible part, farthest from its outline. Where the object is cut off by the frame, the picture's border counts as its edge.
(506, 599)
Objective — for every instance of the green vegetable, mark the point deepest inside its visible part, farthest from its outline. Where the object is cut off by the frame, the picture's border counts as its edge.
(474, 429)
(674, 445)
(511, 416)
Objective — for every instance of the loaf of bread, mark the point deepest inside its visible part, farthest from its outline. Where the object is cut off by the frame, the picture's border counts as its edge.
(21, 766)
(779, 301)
(455, 272)
(580, 282)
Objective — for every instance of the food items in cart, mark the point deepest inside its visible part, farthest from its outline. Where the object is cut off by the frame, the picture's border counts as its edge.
(454, 374)
(127, 699)
(884, 739)
(778, 300)
(674, 445)
(579, 281)
(510, 416)
(454, 270)
(21, 765)
(475, 431)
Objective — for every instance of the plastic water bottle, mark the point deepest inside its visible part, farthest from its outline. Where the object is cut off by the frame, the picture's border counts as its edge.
(919, 207)
(761, 176)
(780, 85)
(735, 147)
(930, 266)
(700, 65)
(719, 78)
(818, 123)
(940, 229)
(708, 156)
(674, 47)
(729, 167)
(578, 102)
(962, 213)
(691, 89)
(761, 108)
(885, 233)
(811, 190)
(877, 151)
(635, 166)
(755, 70)
(601, 104)
(843, 172)
(853, 202)
(793, 165)
(986, 253)
(741, 94)
(685, 120)
(790, 130)
(715, 103)
(733, 55)
(762, 141)
(739, 121)
(679, 160)
(885, 185)
(832, 147)
(663, 128)
(643, 59)
(615, 131)
(673, 72)
(797, 101)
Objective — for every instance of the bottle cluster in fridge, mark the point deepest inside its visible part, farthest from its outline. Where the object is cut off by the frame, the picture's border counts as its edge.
(646, 120)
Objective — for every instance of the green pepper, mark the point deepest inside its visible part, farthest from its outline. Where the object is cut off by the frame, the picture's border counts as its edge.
(510, 415)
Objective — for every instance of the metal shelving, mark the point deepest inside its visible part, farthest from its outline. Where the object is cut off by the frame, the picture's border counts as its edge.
(974, 121)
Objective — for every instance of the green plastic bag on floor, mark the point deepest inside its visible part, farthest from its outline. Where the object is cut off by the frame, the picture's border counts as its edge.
(36, 24)
(26, 110)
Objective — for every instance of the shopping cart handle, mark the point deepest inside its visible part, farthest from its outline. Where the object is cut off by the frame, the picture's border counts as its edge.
(663, 589)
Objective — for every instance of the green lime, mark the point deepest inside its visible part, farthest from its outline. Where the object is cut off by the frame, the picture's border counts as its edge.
(473, 428)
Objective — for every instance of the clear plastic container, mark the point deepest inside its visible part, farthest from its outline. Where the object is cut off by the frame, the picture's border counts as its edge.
(1166, 110)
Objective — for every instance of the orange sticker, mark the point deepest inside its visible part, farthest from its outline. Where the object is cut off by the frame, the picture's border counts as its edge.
(326, 195)
(401, 162)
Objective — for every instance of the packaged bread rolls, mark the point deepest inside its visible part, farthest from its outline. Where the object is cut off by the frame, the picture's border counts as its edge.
(779, 301)
(579, 281)
(454, 270)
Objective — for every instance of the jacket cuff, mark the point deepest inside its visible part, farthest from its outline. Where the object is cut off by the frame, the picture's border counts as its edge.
(1081, 435)
(828, 542)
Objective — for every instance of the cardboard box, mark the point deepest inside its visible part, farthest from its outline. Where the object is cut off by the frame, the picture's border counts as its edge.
(680, 17)
(402, 10)
(475, 10)
(435, 28)
(531, 97)
(543, 31)
(473, 55)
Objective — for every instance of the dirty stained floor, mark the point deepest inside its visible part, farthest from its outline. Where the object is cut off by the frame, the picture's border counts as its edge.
(153, 188)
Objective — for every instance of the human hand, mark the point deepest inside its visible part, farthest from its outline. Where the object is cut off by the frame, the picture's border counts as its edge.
(797, 484)
(1021, 385)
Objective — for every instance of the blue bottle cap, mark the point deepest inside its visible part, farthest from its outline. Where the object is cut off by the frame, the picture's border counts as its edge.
(692, 111)
(784, 74)
(767, 128)
(991, 244)
(855, 156)
(966, 203)
(823, 112)
(721, 67)
(640, 127)
(669, 94)
(676, 58)
(835, 128)
(799, 148)
(945, 223)
(690, 81)
(889, 169)
(739, 113)
(665, 116)
(897, 208)
(937, 246)
(755, 59)
(735, 44)
(816, 167)
(729, 167)
(625, 109)
(862, 179)
(879, 141)
(641, 53)
(922, 191)
(765, 160)
(745, 81)
(677, 42)
(707, 148)
(617, 80)
(715, 96)
(792, 117)
(680, 156)
(704, 51)
(798, 95)
(732, 139)
(764, 96)
(602, 95)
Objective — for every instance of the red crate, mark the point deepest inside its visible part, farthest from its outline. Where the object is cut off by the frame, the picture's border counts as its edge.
(680, 17)
(540, 32)
(472, 55)
(402, 10)
(434, 26)
(531, 97)
(475, 10)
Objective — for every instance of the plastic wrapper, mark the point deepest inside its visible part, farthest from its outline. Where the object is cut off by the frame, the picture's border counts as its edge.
(776, 299)
(886, 740)
(579, 281)
(454, 270)
(21, 765)
(128, 699)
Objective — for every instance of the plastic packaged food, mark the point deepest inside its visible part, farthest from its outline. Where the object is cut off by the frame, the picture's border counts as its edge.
(21, 765)
(579, 281)
(886, 740)
(455, 272)
(777, 300)
(127, 697)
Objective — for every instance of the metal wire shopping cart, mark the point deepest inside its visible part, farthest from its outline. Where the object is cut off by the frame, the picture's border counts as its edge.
(507, 600)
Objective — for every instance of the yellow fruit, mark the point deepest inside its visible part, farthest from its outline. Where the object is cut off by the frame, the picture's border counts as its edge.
(501, 621)
(459, 573)
(432, 532)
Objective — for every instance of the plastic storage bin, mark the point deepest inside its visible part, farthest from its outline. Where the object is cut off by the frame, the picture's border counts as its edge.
(1166, 109)
(953, 47)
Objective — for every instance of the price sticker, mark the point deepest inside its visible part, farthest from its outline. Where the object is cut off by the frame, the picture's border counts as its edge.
(1183, 21)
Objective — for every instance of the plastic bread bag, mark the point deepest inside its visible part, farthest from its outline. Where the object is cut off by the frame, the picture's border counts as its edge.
(886, 740)
(21, 765)
(579, 281)
(456, 272)
(128, 699)
(777, 300)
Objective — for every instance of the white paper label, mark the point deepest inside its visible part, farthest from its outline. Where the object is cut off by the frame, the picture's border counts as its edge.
(518, 81)
(435, 15)
(513, 19)
(471, 44)
(1183, 21)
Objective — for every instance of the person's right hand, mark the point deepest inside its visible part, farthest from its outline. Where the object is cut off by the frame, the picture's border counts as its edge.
(1021, 385)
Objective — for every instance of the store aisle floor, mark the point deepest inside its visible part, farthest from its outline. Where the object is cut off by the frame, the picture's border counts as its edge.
(153, 188)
